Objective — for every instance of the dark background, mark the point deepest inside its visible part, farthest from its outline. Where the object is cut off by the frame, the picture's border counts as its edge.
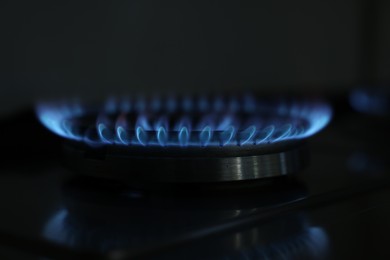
(52, 49)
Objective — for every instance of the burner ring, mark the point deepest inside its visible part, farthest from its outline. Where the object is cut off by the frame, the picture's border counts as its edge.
(195, 167)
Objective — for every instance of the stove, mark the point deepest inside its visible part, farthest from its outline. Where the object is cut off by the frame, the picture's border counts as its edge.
(198, 177)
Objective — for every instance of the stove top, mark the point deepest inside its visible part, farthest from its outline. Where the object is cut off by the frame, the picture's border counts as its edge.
(335, 208)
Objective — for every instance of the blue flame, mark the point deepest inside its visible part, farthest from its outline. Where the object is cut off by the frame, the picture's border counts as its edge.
(203, 104)
(123, 135)
(219, 105)
(54, 117)
(374, 101)
(283, 132)
(162, 136)
(111, 105)
(187, 104)
(184, 136)
(125, 105)
(171, 104)
(156, 104)
(265, 134)
(105, 134)
(205, 136)
(247, 135)
(227, 135)
(142, 136)
(188, 121)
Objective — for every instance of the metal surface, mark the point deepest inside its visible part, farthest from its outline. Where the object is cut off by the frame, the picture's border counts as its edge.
(197, 167)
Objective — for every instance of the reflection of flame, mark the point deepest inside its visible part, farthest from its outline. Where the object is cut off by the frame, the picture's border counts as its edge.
(271, 242)
(188, 121)
(312, 243)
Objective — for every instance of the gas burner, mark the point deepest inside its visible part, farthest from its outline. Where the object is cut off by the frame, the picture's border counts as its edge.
(187, 139)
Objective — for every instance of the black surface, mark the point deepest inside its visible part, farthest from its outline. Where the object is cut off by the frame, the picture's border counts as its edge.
(338, 208)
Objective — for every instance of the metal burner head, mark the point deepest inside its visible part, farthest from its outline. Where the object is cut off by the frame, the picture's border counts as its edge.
(189, 139)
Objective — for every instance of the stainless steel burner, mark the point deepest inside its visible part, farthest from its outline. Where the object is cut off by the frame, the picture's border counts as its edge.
(191, 166)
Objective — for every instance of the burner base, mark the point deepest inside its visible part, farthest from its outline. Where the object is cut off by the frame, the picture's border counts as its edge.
(201, 168)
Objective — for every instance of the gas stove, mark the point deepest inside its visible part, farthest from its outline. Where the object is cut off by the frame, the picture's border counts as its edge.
(218, 177)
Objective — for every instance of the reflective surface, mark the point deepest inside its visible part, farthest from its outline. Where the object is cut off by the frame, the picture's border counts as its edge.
(109, 217)
(338, 208)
